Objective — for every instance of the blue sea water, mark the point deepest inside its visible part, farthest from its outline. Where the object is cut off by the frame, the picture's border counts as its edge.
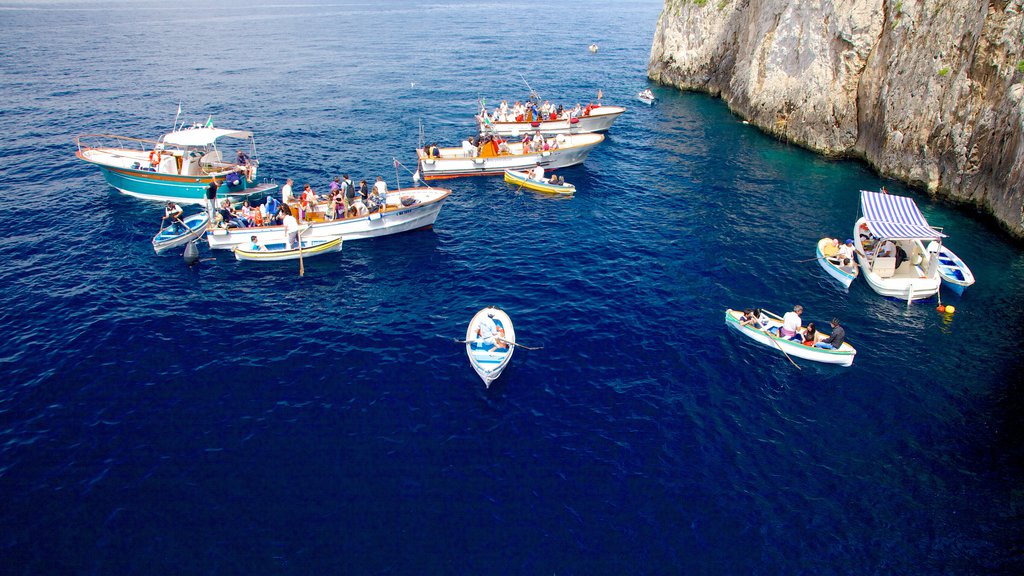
(235, 418)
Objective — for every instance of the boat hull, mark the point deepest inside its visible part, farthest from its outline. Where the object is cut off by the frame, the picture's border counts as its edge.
(521, 179)
(396, 219)
(834, 270)
(599, 120)
(485, 360)
(842, 357)
(455, 163)
(278, 251)
(165, 239)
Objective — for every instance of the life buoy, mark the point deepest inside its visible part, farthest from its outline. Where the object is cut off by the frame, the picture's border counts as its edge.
(154, 157)
(574, 121)
(535, 124)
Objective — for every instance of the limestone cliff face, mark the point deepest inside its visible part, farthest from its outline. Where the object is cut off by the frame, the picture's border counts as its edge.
(927, 91)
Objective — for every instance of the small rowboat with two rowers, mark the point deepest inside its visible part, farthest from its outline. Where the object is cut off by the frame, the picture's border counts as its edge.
(843, 356)
(490, 341)
(176, 235)
(523, 180)
(280, 251)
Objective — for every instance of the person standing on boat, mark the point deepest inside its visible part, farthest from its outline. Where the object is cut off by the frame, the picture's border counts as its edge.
(291, 228)
(380, 188)
(348, 193)
(286, 191)
(173, 213)
(835, 339)
(791, 323)
(269, 209)
(211, 198)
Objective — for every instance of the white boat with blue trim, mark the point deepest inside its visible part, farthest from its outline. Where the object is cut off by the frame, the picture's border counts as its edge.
(844, 272)
(278, 251)
(175, 234)
(489, 339)
(593, 118)
(179, 166)
(890, 247)
(954, 273)
(843, 356)
(405, 210)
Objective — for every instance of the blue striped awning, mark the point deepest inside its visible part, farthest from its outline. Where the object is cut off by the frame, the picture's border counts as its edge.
(895, 217)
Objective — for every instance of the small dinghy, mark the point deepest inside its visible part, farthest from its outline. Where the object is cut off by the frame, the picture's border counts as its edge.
(523, 179)
(489, 339)
(174, 235)
(954, 273)
(842, 356)
(844, 273)
(593, 47)
(646, 96)
(279, 251)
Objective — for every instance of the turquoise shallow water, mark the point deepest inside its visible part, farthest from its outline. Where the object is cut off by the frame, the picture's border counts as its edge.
(235, 418)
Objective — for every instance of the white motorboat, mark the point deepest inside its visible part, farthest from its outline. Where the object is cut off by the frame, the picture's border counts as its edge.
(889, 245)
(493, 159)
(406, 210)
(598, 118)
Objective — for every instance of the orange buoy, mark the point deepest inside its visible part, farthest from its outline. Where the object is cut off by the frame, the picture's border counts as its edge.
(941, 308)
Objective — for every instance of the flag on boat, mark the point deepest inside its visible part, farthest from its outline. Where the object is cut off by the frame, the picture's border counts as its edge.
(599, 95)
(396, 162)
(209, 122)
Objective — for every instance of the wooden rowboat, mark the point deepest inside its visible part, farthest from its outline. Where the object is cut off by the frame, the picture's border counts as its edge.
(279, 251)
(523, 179)
(169, 238)
(842, 356)
(485, 355)
(844, 274)
(954, 273)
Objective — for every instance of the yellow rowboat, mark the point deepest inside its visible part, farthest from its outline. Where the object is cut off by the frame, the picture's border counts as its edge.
(274, 252)
(523, 179)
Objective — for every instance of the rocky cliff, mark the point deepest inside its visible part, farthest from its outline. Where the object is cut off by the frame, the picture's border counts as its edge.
(927, 91)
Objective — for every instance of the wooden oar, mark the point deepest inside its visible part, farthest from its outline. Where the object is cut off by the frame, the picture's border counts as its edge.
(302, 269)
(811, 259)
(779, 346)
(190, 230)
(496, 338)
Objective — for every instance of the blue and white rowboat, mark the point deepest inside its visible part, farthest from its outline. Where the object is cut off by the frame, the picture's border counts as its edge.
(954, 273)
(170, 237)
(844, 274)
(488, 360)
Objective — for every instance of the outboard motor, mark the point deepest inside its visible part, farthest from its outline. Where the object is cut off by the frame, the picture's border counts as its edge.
(191, 253)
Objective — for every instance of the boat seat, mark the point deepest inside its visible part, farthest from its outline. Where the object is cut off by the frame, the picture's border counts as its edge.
(885, 266)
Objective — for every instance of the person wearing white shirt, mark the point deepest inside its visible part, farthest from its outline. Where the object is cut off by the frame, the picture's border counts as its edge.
(538, 172)
(291, 228)
(286, 191)
(791, 322)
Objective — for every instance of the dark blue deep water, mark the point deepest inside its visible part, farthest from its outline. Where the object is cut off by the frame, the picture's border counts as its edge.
(238, 419)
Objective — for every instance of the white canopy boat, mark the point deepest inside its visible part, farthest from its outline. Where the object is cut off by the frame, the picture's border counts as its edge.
(489, 358)
(490, 160)
(954, 273)
(418, 210)
(843, 356)
(890, 249)
(179, 166)
(598, 118)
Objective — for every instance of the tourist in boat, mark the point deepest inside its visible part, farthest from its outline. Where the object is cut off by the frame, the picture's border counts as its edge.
(748, 318)
(308, 203)
(211, 197)
(286, 191)
(291, 227)
(255, 245)
(846, 250)
(248, 213)
(334, 186)
(364, 191)
(229, 217)
(887, 249)
(173, 213)
(269, 209)
(348, 193)
(245, 164)
(381, 188)
(791, 324)
(538, 173)
(831, 248)
(810, 334)
(835, 340)
(490, 334)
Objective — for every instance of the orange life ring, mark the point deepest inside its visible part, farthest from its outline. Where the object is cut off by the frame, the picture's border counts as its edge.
(154, 157)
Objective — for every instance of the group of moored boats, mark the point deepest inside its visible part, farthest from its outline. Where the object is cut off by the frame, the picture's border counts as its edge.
(181, 166)
(897, 252)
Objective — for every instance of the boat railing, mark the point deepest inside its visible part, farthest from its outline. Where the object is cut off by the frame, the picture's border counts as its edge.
(109, 141)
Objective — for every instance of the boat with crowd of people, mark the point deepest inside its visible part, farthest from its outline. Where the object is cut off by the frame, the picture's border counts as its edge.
(492, 156)
(521, 118)
(180, 165)
(404, 210)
